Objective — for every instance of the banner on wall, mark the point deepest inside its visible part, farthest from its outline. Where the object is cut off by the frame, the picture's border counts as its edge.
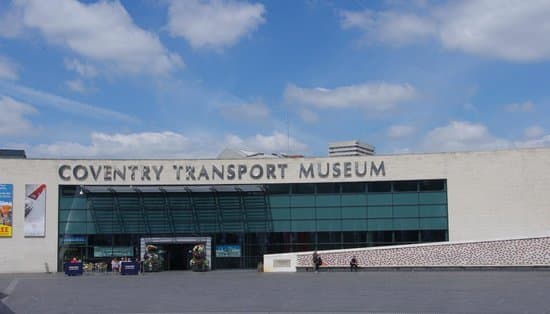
(6, 214)
(35, 210)
(116, 251)
(228, 250)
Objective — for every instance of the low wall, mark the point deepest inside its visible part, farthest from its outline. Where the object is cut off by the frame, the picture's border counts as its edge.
(498, 253)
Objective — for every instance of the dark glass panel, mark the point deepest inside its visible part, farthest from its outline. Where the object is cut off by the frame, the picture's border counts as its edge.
(253, 250)
(406, 236)
(384, 237)
(228, 238)
(405, 186)
(380, 187)
(355, 237)
(354, 245)
(255, 239)
(302, 247)
(433, 235)
(329, 237)
(278, 248)
(353, 187)
(69, 190)
(303, 237)
(279, 188)
(303, 188)
(252, 261)
(432, 185)
(279, 237)
(323, 188)
(123, 240)
(329, 246)
(100, 240)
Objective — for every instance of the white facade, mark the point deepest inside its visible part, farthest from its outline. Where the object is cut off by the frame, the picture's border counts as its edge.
(491, 195)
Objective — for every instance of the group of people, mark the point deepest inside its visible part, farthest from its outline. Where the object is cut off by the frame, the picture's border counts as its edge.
(318, 261)
(116, 264)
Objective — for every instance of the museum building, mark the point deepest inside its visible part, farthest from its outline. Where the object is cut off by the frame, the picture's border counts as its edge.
(242, 209)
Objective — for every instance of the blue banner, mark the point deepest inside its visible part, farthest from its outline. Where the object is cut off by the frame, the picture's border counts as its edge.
(228, 250)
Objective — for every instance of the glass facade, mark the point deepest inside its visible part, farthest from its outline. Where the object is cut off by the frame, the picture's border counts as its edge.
(97, 222)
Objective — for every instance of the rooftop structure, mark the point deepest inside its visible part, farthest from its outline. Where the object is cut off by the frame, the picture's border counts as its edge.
(350, 148)
(13, 153)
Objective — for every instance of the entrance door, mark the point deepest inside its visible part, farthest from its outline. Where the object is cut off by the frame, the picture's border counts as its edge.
(173, 252)
(176, 256)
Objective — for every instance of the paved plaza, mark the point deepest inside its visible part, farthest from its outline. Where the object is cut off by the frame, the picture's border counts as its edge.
(253, 292)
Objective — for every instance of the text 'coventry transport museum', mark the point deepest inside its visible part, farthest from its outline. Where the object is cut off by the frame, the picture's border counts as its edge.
(241, 209)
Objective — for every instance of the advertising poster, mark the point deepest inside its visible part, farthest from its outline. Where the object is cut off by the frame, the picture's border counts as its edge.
(228, 250)
(6, 205)
(116, 251)
(35, 210)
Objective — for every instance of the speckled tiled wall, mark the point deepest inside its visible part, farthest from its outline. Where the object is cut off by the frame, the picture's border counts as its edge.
(521, 252)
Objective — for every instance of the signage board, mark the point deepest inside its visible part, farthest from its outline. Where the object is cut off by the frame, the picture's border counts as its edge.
(6, 210)
(228, 250)
(35, 210)
(113, 251)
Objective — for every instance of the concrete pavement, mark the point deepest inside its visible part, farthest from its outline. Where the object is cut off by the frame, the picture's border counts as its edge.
(251, 292)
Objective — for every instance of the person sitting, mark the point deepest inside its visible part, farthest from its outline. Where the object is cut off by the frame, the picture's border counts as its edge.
(353, 265)
(74, 260)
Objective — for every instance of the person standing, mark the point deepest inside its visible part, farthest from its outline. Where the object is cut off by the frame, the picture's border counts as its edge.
(317, 261)
(353, 265)
(115, 265)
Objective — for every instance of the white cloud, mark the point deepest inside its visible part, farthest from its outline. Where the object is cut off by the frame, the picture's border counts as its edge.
(136, 145)
(374, 96)
(401, 131)
(7, 69)
(61, 103)
(11, 24)
(533, 132)
(308, 116)
(515, 30)
(213, 24)
(13, 120)
(82, 69)
(469, 136)
(461, 136)
(102, 31)
(521, 107)
(543, 141)
(388, 27)
(246, 112)
(77, 85)
(163, 145)
(275, 143)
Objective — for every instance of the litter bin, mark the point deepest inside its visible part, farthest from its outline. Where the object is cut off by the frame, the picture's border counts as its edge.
(73, 269)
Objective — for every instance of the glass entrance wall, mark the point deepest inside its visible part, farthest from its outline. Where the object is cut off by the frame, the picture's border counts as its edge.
(247, 221)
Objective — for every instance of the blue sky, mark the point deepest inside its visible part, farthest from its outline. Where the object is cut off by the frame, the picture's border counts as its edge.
(186, 79)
